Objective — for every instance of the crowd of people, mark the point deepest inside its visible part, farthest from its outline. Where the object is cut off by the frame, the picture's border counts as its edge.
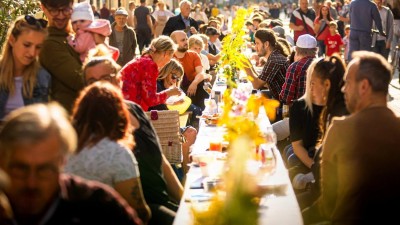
(77, 146)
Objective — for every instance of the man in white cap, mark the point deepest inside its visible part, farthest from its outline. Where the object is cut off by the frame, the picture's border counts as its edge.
(123, 37)
(295, 79)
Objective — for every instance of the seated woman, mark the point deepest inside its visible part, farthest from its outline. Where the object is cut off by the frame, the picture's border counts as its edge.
(102, 123)
(139, 76)
(170, 76)
(22, 81)
(304, 126)
(330, 72)
(161, 187)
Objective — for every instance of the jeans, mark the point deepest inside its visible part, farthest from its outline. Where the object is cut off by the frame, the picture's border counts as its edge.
(359, 40)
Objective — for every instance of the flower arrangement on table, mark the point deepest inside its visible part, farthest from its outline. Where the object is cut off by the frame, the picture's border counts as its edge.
(240, 202)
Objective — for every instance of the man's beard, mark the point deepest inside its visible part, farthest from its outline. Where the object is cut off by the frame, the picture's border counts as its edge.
(182, 49)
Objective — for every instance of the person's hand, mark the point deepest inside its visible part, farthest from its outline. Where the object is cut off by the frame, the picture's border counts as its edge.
(383, 33)
(191, 91)
(173, 91)
(193, 30)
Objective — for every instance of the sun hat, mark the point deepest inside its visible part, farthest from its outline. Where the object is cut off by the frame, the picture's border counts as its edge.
(181, 107)
(306, 41)
(121, 11)
(82, 11)
(100, 26)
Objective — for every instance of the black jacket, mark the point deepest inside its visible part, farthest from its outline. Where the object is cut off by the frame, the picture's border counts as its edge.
(176, 23)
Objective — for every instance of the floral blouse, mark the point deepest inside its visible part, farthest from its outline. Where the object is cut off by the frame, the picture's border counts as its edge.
(139, 79)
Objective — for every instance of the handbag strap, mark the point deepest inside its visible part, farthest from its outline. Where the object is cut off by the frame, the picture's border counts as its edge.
(304, 22)
(321, 29)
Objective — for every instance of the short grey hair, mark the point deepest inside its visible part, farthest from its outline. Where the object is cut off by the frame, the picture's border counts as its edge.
(34, 123)
(184, 2)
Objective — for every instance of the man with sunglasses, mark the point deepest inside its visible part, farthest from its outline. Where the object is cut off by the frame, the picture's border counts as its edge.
(58, 57)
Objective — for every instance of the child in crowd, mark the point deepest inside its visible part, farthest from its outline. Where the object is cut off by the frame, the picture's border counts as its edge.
(346, 43)
(333, 41)
(88, 32)
(196, 44)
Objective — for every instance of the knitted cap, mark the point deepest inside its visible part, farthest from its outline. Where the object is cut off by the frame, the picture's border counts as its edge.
(82, 11)
(100, 26)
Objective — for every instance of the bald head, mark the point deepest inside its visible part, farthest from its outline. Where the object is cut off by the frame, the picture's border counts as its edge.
(180, 38)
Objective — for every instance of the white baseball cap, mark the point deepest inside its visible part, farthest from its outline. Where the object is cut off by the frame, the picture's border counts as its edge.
(306, 41)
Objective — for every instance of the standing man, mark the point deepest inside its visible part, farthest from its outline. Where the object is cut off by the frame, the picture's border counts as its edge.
(123, 37)
(381, 44)
(362, 13)
(104, 12)
(193, 79)
(143, 25)
(360, 157)
(182, 21)
(302, 20)
(58, 57)
(35, 142)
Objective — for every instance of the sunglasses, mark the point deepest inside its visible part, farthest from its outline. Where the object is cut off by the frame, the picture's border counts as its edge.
(40, 23)
(176, 77)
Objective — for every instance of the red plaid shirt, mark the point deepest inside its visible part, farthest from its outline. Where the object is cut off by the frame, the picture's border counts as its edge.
(295, 81)
(274, 72)
(139, 78)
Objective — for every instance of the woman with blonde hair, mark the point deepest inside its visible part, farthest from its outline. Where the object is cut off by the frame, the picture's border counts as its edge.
(139, 76)
(22, 81)
(161, 15)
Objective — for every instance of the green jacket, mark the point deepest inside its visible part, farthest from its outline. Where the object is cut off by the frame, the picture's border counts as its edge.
(64, 65)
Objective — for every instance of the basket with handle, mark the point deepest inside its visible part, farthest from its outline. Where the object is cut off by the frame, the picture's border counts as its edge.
(166, 125)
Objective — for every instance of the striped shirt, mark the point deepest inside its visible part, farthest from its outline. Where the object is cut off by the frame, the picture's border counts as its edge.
(295, 80)
(274, 71)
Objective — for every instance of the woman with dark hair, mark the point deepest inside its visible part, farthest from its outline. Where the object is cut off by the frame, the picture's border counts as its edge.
(321, 28)
(22, 80)
(327, 76)
(102, 122)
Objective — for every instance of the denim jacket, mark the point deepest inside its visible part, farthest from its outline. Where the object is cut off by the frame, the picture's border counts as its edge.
(40, 92)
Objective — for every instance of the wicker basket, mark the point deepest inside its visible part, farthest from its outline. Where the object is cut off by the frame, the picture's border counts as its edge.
(166, 124)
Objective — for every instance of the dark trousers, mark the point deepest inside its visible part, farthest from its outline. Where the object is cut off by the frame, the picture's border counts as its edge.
(380, 48)
(143, 36)
(359, 40)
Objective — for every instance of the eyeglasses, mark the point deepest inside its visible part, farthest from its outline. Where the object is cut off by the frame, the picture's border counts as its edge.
(54, 12)
(106, 77)
(40, 23)
(175, 77)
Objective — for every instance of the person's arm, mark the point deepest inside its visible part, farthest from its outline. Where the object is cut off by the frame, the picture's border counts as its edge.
(317, 25)
(131, 191)
(174, 187)
(200, 76)
(61, 64)
(389, 32)
(169, 27)
(302, 153)
(288, 88)
(150, 23)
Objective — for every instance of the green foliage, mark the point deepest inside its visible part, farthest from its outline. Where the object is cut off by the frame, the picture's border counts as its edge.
(10, 10)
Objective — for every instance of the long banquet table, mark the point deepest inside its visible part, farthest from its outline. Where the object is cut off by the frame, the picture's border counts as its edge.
(279, 208)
